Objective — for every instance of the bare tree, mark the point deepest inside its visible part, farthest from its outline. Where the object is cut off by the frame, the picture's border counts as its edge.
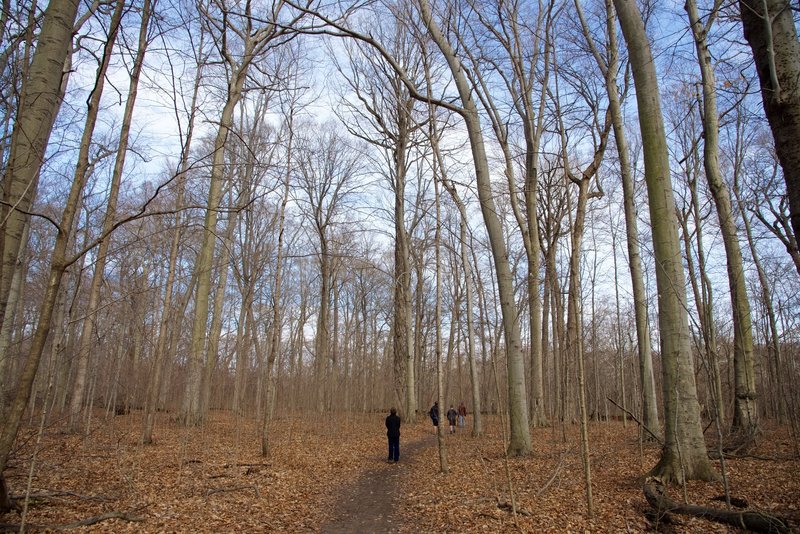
(770, 29)
(238, 41)
(520, 438)
(745, 412)
(328, 174)
(109, 220)
(609, 65)
(684, 454)
(383, 114)
(39, 103)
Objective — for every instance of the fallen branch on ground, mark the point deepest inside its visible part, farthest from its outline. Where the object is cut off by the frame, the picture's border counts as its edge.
(125, 516)
(235, 488)
(56, 493)
(656, 494)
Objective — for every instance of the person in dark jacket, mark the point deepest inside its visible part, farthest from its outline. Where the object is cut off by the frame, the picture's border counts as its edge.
(451, 418)
(393, 433)
(434, 413)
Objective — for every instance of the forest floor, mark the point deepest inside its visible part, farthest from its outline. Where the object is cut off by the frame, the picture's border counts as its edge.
(329, 474)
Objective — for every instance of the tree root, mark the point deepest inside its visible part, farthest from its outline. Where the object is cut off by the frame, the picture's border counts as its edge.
(125, 516)
(656, 494)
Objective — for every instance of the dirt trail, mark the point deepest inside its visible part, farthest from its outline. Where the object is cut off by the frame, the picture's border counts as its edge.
(366, 505)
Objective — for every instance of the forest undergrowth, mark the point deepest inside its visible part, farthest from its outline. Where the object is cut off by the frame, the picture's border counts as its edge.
(213, 478)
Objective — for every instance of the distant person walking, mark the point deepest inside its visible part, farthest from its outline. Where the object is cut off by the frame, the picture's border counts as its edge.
(462, 415)
(434, 413)
(451, 418)
(393, 433)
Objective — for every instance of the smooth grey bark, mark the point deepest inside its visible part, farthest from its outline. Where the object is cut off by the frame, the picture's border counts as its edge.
(39, 103)
(520, 439)
(745, 409)
(770, 29)
(684, 454)
(610, 67)
(514, 37)
(59, 261)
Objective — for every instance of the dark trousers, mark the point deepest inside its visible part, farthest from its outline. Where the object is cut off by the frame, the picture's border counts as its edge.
(394, 449)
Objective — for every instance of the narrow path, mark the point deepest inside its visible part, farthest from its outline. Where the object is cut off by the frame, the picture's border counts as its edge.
(367, 505)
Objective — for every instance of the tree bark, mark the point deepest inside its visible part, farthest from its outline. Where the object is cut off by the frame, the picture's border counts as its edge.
(39, 103)
(745, 410)
(520, 439)
(769, 27)
(610, 68)
(684, 454)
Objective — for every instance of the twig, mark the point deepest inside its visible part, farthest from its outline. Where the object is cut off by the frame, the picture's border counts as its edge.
(50, 494)
(125, 516)
(235, 488)
(552, 478)
(655, 437)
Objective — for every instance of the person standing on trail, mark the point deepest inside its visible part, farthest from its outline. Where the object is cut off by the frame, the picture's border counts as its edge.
(434, 413)
(451, 418)
(462, 415)
(393, 433)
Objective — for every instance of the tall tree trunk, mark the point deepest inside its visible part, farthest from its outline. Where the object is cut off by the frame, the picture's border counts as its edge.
(191, 411)
(764, 286)
(520, 438)
(57, 31)
(684, 454)
(277, 326)
(440, 397)
(87, 333)
(703, 299)
(769, 27)
(41, 97)
(611, 70)
(745, 412)
(215, 329)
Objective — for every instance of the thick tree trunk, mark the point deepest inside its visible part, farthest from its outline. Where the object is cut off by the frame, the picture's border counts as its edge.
(769, 27)
(38, 106)
(684, 454)
(520, 439)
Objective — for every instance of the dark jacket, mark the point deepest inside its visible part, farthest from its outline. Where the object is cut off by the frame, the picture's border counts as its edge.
(451, 416)
(393, 426)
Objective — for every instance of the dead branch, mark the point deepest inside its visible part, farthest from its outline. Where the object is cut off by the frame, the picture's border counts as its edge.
(125, 516)
(655, 437)
(656, 494)
(235, 488)
(238, 464)
(506, 506)
(552, 478)
(57, 493)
